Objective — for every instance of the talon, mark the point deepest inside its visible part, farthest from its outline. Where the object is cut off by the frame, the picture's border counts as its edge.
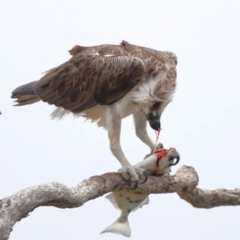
(135, 185)
(122, 175)
(131, 174)
(175, 163)
(146, 177)
(127, 180)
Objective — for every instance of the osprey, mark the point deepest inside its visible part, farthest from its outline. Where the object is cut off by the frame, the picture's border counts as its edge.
(105, 84)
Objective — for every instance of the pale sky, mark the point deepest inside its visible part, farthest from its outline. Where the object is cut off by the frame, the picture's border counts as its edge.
(202, 123)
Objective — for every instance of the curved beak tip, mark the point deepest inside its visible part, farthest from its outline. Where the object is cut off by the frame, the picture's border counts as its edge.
(156, 125)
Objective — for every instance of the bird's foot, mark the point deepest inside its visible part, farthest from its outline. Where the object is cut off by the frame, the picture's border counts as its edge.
(133, 174)
(159, 146)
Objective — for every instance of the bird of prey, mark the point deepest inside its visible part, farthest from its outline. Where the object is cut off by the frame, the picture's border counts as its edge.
(105, 84)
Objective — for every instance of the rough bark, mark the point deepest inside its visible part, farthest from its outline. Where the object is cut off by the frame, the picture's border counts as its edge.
(184, 183)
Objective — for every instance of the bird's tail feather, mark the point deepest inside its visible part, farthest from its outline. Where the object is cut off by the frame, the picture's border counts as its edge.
(25, 94)
(120, 226)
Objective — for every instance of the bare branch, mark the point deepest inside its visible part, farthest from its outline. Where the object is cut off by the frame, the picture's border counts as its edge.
(184, 183)
(202, 198)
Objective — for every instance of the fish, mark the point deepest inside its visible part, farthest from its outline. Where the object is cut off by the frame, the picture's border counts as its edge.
(157, 164)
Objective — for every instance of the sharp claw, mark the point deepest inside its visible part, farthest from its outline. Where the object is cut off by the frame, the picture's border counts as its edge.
(131, 175)
(127, 180)
(135, 182)
(136, 185)
(178, 159)
(146, 177)
(175, 163)
(122, 175)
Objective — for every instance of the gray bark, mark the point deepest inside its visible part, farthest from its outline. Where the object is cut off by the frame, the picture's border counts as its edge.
(184, 183)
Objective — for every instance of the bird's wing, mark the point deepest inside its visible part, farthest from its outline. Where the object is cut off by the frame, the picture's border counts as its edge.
(89, 78)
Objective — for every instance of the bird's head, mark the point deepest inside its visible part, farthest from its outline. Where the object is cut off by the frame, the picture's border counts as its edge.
(153, 111)
(152, 97)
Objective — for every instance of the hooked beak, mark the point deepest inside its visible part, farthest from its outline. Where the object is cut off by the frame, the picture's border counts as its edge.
(155, 122)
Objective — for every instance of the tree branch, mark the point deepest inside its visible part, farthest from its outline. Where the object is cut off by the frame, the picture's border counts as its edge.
(184, 183)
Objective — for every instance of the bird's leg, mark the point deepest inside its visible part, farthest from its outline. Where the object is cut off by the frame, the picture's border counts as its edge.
(141, 131)
(113, 125)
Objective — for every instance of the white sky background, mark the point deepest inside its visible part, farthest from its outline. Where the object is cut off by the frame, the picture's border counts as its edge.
(202, 123)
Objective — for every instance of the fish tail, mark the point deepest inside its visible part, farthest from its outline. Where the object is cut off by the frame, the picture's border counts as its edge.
(120, 226)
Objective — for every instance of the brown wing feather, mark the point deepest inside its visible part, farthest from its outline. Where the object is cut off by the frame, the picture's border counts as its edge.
(89, 79)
